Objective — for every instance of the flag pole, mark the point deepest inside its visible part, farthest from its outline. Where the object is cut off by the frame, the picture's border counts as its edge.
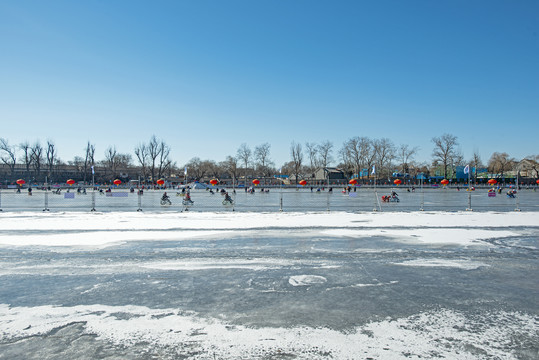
(281, 189)
(375, 193)
(469, 189)
(327, 176)
(93, 189)
(517, 190)
(422, 193)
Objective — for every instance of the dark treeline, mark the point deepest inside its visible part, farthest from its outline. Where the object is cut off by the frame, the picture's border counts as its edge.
(357, 157)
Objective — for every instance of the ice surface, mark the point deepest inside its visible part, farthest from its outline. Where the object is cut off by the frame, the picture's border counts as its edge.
(269, 285)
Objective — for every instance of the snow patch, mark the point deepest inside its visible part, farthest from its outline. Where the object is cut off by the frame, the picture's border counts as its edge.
(306, 280)
(443, 332)
(201, 264)
(444, 263)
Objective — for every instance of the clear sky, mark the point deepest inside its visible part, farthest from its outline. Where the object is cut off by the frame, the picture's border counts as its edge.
(207, 76)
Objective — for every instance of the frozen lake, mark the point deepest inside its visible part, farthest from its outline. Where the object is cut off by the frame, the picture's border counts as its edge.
(203, 285)
(289, 199)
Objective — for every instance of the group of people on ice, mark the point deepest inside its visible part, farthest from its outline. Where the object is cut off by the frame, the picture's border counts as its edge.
(165, 199)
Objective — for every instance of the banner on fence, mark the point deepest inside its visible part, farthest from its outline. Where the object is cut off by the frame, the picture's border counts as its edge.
(117, 194)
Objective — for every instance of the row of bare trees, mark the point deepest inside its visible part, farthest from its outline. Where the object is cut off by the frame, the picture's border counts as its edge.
(358, 153)
(354, 156)
(38, 159)
(42, 161)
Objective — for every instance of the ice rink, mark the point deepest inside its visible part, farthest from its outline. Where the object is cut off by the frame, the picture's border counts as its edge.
(291, 285)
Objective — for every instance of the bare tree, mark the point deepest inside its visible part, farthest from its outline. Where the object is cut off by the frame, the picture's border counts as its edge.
(445, 148)
(499, 163)
(88, 159)
(210, 168)
(195, 168)
(406, 154)
(324, 154)
(157, 158)
(9, 157)
(123, 161)
(476, 163)
(370, 156)
(51, 158)
(27, 155)
(141, 151)
(231, 166)
(153, 154)
(164, 159)
(346, 161)
(297, 158)
(385, 153)
(312, 153)
(77, 163)
(172, 168)
(352, 148)
(110, 161)
(261, 154)
(358, 149)
(244, 155)
(458, 159)
(37, 158)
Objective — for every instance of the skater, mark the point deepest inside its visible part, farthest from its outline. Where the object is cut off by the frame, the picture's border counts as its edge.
(228, 199)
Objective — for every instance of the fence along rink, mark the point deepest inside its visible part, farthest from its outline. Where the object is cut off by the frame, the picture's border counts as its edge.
(268, 199)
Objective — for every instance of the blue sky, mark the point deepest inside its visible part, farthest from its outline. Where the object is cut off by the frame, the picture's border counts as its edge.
(207, 76)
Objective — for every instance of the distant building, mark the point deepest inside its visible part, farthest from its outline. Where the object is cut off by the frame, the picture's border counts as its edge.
(331, 173)
(528, 168)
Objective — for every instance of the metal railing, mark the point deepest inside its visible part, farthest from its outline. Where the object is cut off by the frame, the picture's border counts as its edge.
(270, 199)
